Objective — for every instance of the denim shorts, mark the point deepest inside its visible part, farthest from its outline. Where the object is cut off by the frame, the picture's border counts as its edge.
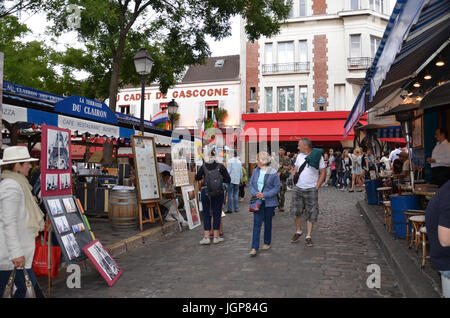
(308, 200)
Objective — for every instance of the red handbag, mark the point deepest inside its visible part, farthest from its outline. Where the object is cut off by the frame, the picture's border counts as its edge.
(40, 259)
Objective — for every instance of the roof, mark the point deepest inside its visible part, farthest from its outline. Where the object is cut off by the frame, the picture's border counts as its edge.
(401, 108)
(208, 72)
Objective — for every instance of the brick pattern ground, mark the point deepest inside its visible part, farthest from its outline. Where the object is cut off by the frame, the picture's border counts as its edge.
(177, 266)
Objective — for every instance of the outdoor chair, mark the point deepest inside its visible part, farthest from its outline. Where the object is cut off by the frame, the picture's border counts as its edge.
(387, 215)
(415, 217)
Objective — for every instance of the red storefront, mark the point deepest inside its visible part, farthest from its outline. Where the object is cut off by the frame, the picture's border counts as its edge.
(325, 129)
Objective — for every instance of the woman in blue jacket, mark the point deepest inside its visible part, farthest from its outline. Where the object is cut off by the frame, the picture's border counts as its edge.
(264, 177)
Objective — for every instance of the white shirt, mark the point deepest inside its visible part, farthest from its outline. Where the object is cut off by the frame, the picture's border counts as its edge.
(394, 154)
(386, 162)
(441, 153)
(310, 175)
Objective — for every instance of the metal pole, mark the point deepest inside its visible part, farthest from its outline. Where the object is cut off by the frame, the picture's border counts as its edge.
(142, 103)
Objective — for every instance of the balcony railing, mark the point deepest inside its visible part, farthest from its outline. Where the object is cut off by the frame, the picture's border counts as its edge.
(298, 67)
(356, 63)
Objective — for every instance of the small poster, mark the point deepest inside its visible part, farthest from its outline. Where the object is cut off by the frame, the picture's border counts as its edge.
(51, 182)
(180, 172)
(55, 207)
(71, 246)
(191, 206)
(61, 224)
(69, 204)
(64, 181)
(105, 264)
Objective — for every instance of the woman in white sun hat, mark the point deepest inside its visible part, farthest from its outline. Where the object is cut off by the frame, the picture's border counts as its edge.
(21, 219)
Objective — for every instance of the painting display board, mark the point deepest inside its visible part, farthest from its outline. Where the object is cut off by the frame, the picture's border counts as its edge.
(103, 262)
(56, 163)
(146, 167)
(69, 226)
(191, 206)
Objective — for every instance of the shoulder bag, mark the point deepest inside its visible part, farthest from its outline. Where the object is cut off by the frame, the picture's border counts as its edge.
(300, 170)
(10, 290)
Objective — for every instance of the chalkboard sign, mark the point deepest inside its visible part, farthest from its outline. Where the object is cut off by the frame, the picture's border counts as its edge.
(69, 226)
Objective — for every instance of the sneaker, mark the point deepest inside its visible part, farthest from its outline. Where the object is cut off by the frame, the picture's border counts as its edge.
(228, 212)
(296, 237)
(222, 235)
(281, 209)
(169, 219)
(217, 240)
(223, 214)
(265, 247)
(351, 190)
(205, 241)
(252, 253)
(309, 242)
(236, 211)
(241, 200)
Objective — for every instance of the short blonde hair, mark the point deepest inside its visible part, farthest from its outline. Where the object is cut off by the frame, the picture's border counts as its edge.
(264, 158)
(357, 149)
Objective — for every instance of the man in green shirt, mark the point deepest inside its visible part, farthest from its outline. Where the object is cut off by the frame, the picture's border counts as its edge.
(284, 171)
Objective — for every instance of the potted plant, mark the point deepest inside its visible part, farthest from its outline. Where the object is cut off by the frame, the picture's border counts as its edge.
(221, 114)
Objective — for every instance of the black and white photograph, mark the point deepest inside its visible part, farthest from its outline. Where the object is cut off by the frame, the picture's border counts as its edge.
(104, 260)
(57, 149)
(64, 181)
(68, 246)
(61, 224)
(51, 182)
(69, 204)
(55, 207)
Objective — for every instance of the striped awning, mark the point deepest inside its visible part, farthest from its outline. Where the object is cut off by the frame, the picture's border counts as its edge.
(416, 29)
(390, 132)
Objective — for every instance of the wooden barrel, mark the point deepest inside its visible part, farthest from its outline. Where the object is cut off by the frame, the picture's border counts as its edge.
(123, 209)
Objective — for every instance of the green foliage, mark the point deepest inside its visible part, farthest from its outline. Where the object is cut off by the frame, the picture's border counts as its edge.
(221, 114)
(174, 33)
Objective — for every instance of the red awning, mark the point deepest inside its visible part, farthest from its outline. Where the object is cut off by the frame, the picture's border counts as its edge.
(212, 103)
(316, 130)
(399, 140)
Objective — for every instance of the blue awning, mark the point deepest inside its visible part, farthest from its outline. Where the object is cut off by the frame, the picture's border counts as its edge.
(390, 132)
(425, 25)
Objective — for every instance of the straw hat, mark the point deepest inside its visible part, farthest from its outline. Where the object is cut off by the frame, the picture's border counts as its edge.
(16, 154)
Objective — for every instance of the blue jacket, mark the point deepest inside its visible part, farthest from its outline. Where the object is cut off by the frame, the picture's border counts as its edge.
(271, 188)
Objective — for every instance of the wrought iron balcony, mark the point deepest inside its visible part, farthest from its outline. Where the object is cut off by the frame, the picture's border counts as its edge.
(356, 63)
(298, 67)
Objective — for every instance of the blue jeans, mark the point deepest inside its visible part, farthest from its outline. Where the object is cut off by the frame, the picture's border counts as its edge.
(233, 193)
(216, 206)
(19, 282)
(264, 214)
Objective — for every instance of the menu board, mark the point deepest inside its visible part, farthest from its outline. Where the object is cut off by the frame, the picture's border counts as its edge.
(146, 167)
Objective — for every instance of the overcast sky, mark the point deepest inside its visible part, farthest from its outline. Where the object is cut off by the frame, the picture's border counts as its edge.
(37, 23)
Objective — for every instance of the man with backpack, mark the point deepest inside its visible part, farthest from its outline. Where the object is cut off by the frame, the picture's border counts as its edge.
(234, 168)
(214, 174)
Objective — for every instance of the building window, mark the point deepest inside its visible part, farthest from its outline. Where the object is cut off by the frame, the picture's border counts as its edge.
(291, 12)
(125, 109)
(374, 44)
(286, 52)
(354, 4)
(339, 96)
(303, 51)
(303, 98)
(269, 100)
(286, 99)
(355, 45)
(377, 5)
(268, 53)
(302, 11)
(252, 93)
(209, 111)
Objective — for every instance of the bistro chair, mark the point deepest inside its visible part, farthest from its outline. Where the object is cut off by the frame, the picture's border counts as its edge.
(415, 225)
(385, 192)
(387, 215)
(419, 174)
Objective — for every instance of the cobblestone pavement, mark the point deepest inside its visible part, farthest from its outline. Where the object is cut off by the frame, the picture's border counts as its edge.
(177, 266)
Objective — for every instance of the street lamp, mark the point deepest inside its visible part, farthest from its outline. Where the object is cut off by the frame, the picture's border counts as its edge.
(172, 109)
(143, 63)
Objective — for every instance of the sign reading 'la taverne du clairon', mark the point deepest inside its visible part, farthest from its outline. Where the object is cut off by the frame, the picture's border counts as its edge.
(83, 107)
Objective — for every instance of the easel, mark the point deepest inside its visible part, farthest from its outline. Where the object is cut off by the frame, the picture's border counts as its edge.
(49, 244)
(151, 206)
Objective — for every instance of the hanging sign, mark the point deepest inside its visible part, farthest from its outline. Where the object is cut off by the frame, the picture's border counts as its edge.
(83, 107)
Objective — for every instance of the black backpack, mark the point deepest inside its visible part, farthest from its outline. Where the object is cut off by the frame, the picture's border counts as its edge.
(213, 181)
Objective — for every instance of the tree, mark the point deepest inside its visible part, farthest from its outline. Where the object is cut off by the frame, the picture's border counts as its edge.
(173, 31)
(10, 7)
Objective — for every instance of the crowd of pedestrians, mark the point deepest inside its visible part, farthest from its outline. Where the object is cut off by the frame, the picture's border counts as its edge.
(301, 173)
